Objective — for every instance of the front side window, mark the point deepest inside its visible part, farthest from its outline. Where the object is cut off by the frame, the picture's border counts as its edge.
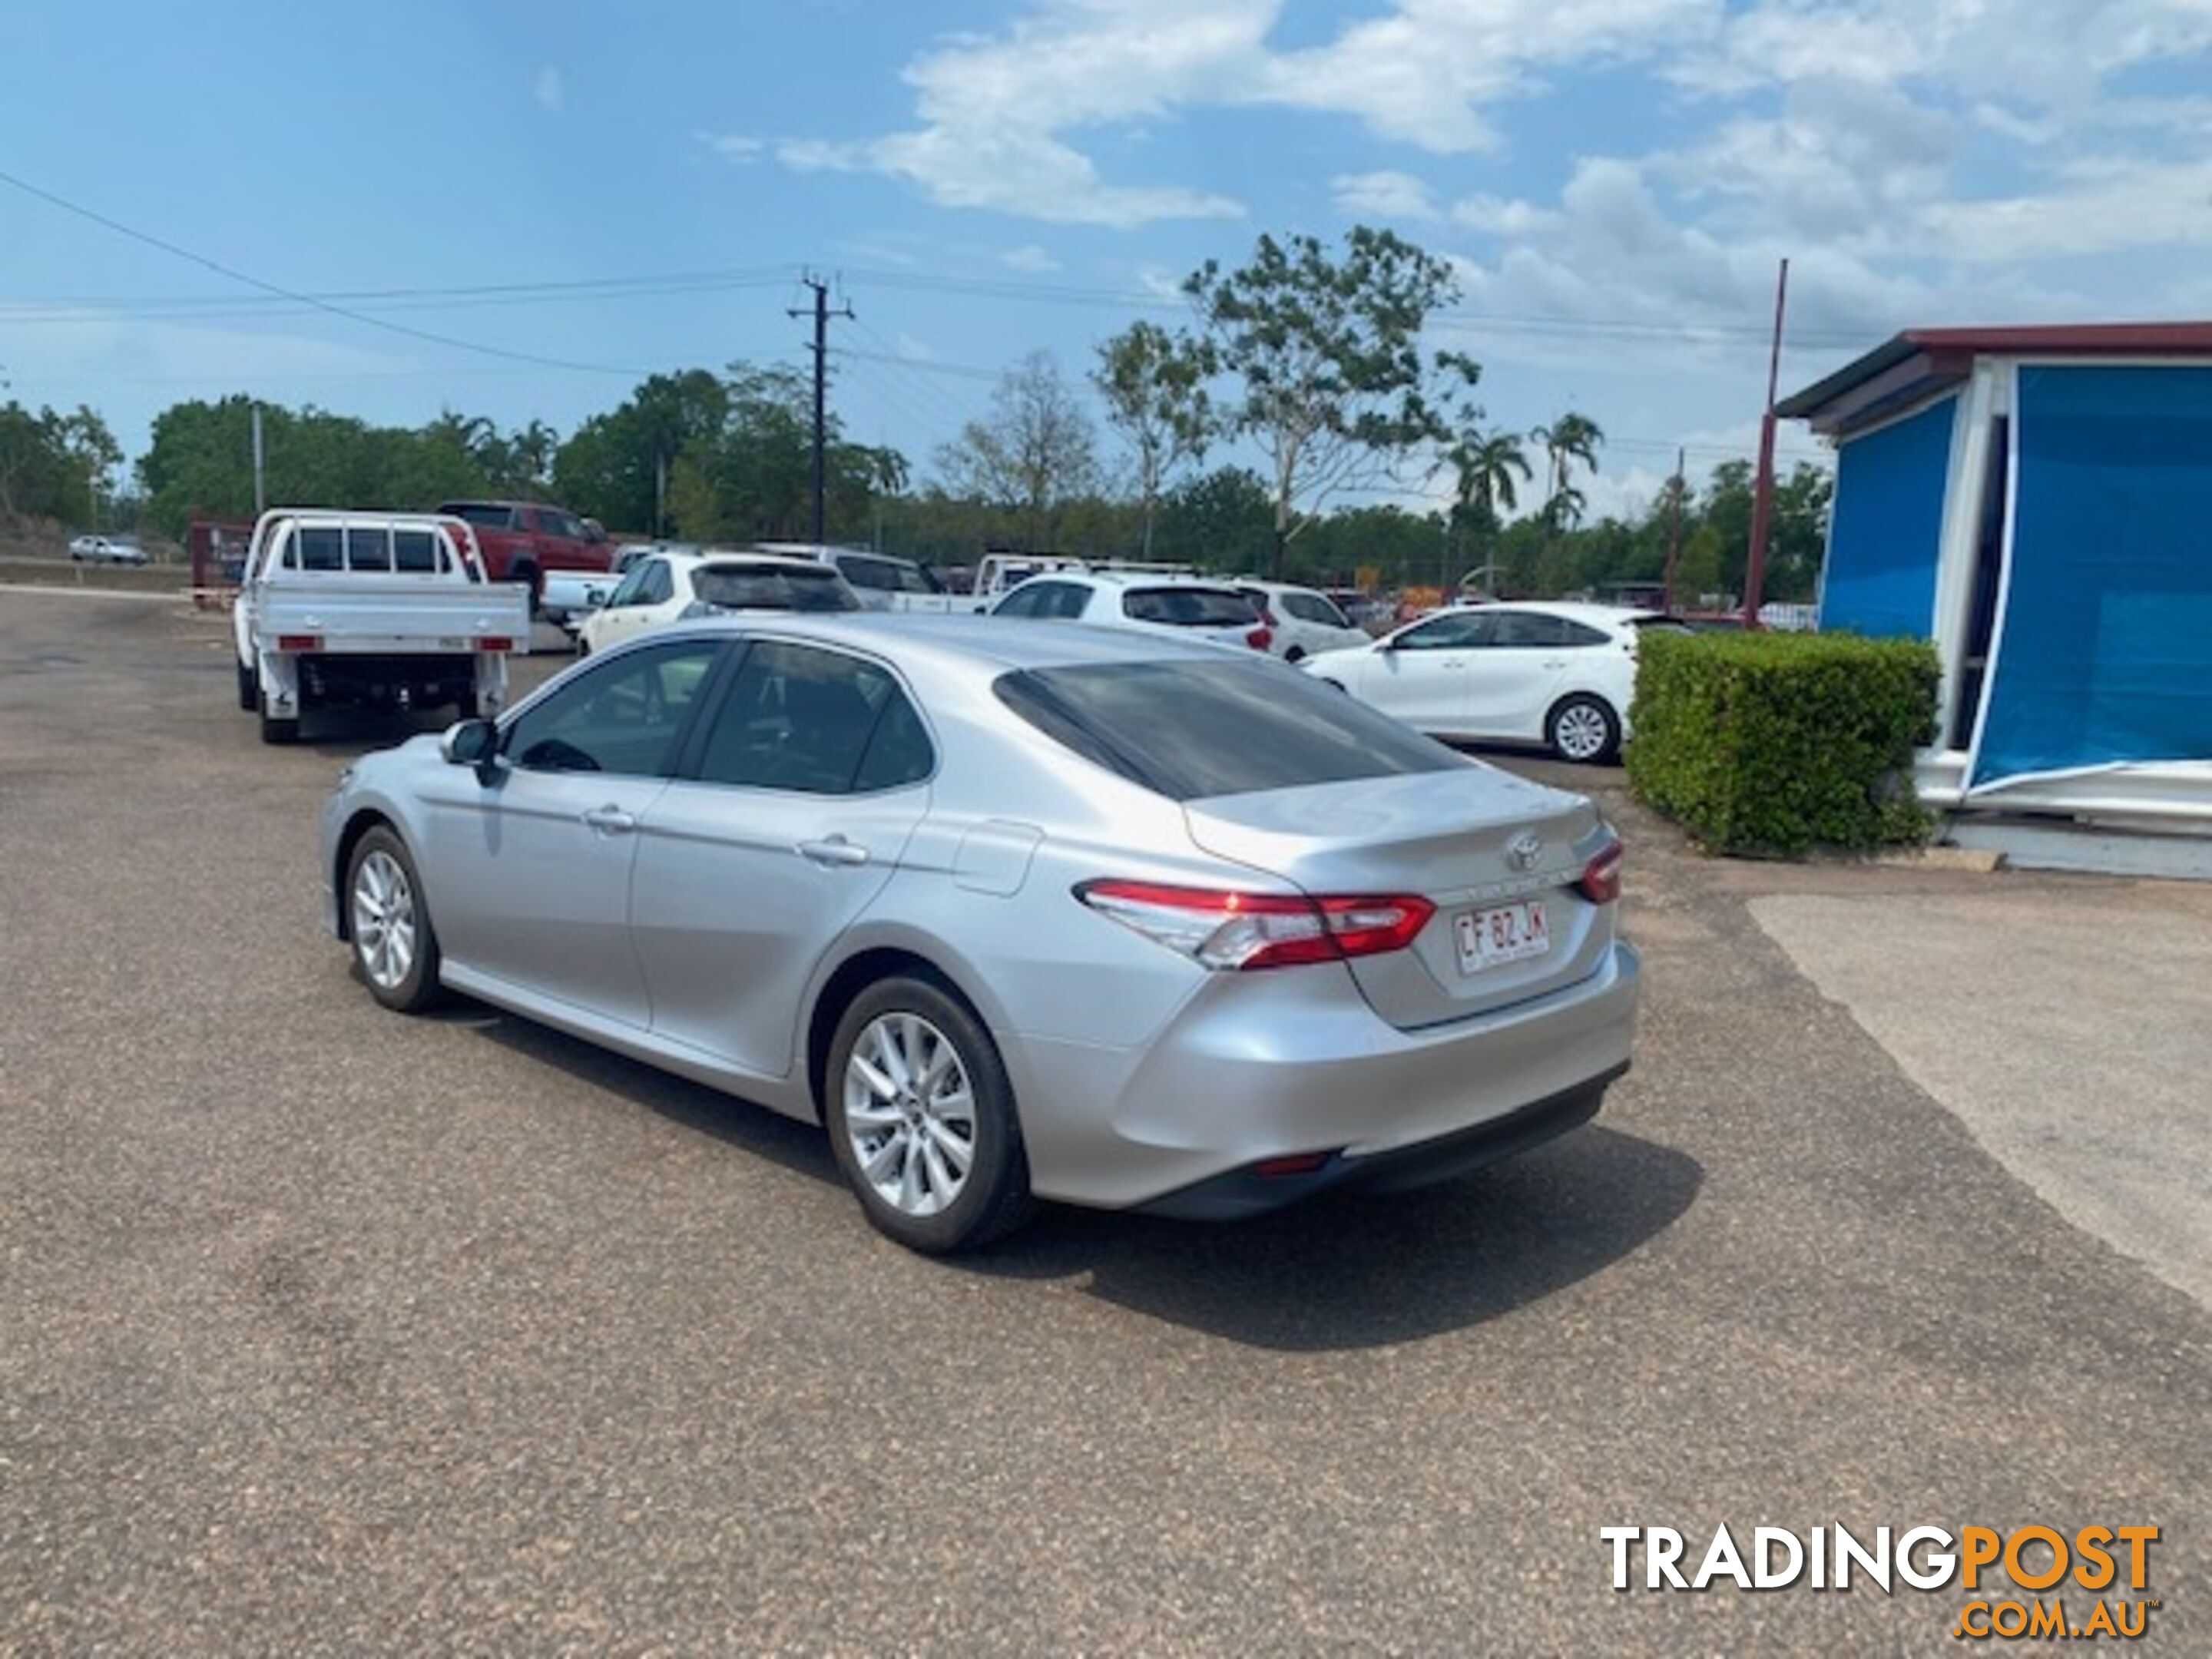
(625, 716)
(817, 722)
(658, 584)
(1455, 632)
(873, 575)
(1312, 608)
(627, 590)
(1035, 599)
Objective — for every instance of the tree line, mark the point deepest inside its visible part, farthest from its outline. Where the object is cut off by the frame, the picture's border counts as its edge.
(1306, 363)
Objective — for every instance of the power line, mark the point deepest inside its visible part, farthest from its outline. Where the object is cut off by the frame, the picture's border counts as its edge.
(237, 276)
(249, 308)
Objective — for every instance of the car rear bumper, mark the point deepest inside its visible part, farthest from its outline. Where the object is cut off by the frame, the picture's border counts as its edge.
(1255, 1190)
(1294, 1063)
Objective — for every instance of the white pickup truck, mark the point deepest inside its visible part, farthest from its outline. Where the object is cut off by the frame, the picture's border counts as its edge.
(370, 610)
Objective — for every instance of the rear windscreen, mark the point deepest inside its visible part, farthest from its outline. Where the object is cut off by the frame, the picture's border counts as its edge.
(771, 588)
(483, 517)
(1188, 731)
(1190, 607)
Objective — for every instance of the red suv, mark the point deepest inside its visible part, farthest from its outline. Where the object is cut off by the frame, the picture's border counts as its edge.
(521, 540)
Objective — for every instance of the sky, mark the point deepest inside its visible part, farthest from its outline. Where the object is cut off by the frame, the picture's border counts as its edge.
(569, 196)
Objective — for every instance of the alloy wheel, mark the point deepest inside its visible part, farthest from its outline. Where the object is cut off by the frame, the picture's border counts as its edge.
(384, 919)
(909, 1114)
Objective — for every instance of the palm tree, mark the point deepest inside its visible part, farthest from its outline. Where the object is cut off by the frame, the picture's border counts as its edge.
(1483, 468)
(1569, 439)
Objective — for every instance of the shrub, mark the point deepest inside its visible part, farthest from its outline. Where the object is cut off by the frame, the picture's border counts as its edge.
(1774, 743)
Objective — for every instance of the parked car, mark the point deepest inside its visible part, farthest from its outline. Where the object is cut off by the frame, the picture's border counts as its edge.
(1186, 607)
(884, 581)
(105, 549)
(524, 541)
(1016, 912)
(1370, 615)
(665, 587)
(369, 610)
(1303, 620)
(1557, 674)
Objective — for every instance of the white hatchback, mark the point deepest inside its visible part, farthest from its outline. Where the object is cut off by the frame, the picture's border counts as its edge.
(1304, 621)
(667, 586)
(1182, 607)
(1557, 674)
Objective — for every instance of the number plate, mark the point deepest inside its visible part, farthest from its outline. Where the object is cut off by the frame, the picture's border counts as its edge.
(1502, 933)
(448, 642)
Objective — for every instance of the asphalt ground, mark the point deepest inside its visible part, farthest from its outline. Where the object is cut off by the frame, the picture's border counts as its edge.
(326, 1331)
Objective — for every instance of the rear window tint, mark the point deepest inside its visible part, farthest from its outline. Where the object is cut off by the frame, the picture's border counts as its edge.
(771, 588)
(322, 547)
(483, 516)
(1189, 731)
(1190, 607)
(416, 550)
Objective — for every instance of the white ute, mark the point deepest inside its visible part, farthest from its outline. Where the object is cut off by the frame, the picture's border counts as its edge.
(370, 610)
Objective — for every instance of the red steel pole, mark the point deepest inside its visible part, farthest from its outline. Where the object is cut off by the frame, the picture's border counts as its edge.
(1762, 500)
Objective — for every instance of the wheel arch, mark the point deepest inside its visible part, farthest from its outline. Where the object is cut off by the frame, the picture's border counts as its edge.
(366, 819)
(869, 965)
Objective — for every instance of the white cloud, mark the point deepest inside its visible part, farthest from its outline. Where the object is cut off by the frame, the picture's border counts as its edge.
(1383, 195)
(733, 146)
(2103, 205)
(1029, 256)
(1494, 216)
(995, 111)
(549, 88)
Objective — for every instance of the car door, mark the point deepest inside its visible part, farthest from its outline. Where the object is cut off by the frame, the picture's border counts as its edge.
(803, 788)
(528, 876)
(630, 609)
(1420, 674)
(1512, 678)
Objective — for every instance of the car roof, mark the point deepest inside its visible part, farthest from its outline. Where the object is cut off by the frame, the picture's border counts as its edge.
(989, 642)
(1138, 579)
(1572, 610)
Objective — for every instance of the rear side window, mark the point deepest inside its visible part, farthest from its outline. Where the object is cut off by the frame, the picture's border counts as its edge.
(1190, 607)
(814, 722)
(322, 547)
(368, 548)
(1188, 731)
(1311, 607)
(874, 575)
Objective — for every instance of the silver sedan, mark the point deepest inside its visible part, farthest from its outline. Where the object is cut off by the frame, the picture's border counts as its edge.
(1017, 913)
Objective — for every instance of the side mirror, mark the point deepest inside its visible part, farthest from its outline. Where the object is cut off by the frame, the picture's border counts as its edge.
(472, 743)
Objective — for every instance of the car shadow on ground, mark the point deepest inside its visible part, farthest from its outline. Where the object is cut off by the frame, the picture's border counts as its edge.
(1339, 1271)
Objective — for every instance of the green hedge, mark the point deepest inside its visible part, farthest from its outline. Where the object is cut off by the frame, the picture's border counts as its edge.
(1772, 743)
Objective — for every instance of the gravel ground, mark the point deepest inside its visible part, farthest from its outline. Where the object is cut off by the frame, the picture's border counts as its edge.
(323, 1331)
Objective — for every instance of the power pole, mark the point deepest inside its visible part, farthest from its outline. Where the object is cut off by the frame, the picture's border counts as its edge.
(260, 494)
(1762, 500)
(822, 314)
(1674, 542)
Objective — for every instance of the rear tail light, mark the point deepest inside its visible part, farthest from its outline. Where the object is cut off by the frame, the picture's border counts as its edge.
(1600, 881)
(1260, 638)
(1240, 931)
(496, 643)
(299, 641)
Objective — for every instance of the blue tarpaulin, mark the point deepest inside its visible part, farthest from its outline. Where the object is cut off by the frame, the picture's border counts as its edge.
(1888, 526)
(2105, 652)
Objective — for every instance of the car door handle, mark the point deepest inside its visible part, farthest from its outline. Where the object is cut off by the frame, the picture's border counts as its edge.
(1555, 663)
(610, 820)
(833, 852)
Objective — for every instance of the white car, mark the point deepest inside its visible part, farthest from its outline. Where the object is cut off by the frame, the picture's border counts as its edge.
(1182, 607)
(1557, 674)
(1304, 621)
(105, 549)
(665, 587)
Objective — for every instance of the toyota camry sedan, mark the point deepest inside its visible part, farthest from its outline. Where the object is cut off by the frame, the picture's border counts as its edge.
(1015, 913)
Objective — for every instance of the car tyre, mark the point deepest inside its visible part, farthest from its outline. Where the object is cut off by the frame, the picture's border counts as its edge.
(249, 689)
(279, 728)
(921, 1120)
(1585, 730)
(388, 925)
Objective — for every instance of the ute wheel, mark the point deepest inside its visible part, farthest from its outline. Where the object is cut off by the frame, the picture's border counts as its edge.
(921, 1120)
(1585, 730)
(249, 689)
(466, 707)
(279, 729)
(1297, 652)
(393, 943)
